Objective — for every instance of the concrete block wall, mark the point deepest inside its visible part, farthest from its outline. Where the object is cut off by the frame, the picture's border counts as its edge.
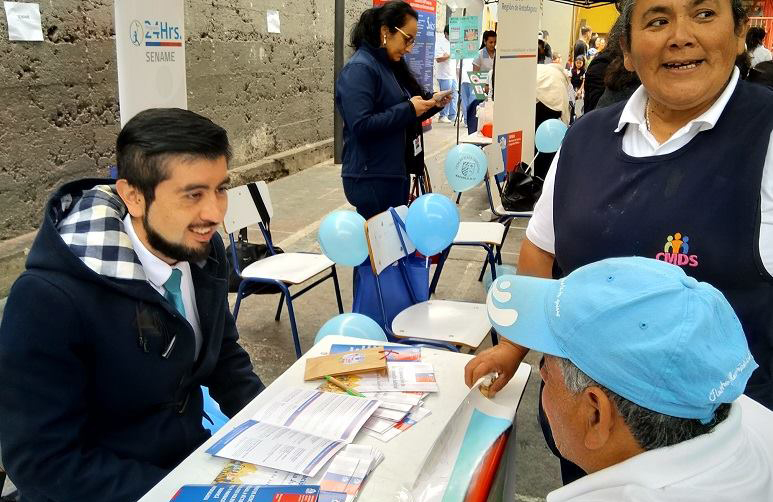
(59, 98)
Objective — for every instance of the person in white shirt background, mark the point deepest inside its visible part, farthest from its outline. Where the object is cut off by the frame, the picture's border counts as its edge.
(758, 52)
(445, 75)
(644, 371)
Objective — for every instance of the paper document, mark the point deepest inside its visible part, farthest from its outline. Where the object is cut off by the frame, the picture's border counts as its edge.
(244, 473)
(299, 431)
(409, 376)
(241, 493)
(23, 21)
(405, 424)
(348, 470)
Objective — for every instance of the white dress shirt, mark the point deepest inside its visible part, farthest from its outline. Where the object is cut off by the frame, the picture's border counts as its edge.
(158, 271)
(639, 142)
(732, 463)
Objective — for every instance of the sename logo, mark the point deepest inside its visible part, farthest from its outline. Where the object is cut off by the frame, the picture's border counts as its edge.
(676, 251)
(155, 34)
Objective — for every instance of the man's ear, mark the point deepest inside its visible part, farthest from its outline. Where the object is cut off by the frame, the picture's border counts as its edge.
(599, 413)
(132, 197)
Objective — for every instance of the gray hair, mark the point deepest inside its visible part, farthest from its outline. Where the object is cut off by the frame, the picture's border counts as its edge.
(650, 429)
(625, 7)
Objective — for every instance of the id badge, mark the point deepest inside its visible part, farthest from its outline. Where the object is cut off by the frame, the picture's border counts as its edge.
(417, 146)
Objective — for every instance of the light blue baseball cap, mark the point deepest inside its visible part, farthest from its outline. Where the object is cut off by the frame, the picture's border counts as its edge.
(640, 327)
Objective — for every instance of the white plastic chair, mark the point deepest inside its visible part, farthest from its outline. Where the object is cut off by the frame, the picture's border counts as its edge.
(248, 205)
(462, 324)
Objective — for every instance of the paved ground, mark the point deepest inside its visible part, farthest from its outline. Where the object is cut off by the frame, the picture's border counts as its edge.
(300, 202)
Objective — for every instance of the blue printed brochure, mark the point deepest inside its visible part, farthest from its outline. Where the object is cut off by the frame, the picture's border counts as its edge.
(394, 353)
(224, 492)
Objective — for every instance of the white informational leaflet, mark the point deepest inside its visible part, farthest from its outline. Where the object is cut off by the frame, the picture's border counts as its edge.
(348, 470)
(401, 426)
(467, 436)
(244, 473)
(150, 45)
(23, 22)
(299, 431)
(413, 377)
(378, 425)
(272, 21)
(324, 414)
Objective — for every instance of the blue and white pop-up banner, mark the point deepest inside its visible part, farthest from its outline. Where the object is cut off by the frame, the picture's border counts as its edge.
(150, 45)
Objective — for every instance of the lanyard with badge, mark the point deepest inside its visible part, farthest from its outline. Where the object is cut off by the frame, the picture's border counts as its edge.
(418, 145)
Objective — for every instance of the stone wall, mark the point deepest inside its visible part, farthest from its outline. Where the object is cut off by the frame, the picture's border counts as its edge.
(59, 106)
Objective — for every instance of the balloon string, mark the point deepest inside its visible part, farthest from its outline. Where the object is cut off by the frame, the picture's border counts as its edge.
(530, 167)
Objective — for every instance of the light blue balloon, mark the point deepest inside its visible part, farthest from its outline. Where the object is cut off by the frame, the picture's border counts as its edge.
(465, 167)
(342, 238)
(432, 223)
(356, 325)
(501, 270)
(549, 135)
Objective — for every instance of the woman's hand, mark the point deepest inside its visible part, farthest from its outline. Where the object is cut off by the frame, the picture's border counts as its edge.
(422, 105)
(442, 98)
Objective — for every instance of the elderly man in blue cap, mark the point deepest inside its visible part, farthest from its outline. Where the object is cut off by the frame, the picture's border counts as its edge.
(644, 373)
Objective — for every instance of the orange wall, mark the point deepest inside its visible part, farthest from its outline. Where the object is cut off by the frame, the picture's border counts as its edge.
(599, 19)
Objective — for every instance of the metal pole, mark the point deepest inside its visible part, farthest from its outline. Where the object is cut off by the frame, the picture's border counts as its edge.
(338, 63)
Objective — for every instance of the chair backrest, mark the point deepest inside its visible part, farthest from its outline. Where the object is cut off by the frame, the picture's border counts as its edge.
(384, 246)
(248, 204)
(494, 198)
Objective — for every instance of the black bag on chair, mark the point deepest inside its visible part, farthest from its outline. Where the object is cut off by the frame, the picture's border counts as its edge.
(521, 190)
(248, 253)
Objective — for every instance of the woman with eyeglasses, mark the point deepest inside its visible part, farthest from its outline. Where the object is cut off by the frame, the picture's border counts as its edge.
(382, 106)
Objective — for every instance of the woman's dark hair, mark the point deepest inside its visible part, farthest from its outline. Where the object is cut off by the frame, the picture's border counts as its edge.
(625, 8)
(147, 142)
(486, 35)
(392, 15)
(617, 77)
(762, 74)
(754, 37)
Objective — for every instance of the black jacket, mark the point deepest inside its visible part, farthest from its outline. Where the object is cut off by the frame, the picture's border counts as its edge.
(91, 409)
(377, 114)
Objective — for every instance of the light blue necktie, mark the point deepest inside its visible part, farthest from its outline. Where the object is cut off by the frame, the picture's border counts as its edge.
(173, 293)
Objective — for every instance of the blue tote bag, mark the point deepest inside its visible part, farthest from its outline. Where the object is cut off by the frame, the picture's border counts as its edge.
(403, 284)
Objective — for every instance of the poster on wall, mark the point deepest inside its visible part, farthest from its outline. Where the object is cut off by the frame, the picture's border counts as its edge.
(150, 48)
(511, 146)
(421, 58)
(464, 35)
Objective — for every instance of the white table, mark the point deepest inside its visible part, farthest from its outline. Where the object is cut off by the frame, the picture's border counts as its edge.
(402, 456)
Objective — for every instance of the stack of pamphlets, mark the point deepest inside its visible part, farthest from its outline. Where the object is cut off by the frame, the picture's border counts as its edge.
(348, 470)
(253, 493)
(298, 432)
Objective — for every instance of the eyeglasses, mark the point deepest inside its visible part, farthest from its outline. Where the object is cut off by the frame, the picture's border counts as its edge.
(409, 40)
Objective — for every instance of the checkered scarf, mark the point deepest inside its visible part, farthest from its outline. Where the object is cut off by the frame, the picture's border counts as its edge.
(93, 230)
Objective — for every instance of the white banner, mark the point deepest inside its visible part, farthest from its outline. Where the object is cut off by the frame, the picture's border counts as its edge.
(515, 78)
(150, 44)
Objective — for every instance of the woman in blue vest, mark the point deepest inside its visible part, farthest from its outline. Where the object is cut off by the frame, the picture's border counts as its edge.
(382, 106)
(681, 172)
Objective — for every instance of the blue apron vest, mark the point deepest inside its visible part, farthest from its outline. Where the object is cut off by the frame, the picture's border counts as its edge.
(698, 208)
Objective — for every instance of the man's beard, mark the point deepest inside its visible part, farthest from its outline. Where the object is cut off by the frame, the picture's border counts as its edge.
(170, 249)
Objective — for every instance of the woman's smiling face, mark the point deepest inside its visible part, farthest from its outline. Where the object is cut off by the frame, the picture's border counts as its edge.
(683, 50)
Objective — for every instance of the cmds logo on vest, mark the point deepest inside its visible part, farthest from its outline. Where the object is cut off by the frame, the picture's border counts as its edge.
(675, 251)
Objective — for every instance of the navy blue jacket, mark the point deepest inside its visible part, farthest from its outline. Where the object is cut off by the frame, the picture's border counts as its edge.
(706, 194)
(90, 408)
(377, 111)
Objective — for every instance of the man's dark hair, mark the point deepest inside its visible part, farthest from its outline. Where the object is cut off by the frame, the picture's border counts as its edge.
(585, 30)
(445, 30)
(153, 136)
(545, 34)
(754, 37)
(762, 74)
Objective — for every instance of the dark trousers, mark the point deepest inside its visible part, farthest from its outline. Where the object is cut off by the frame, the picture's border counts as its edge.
(371, 196)
(569, 471)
